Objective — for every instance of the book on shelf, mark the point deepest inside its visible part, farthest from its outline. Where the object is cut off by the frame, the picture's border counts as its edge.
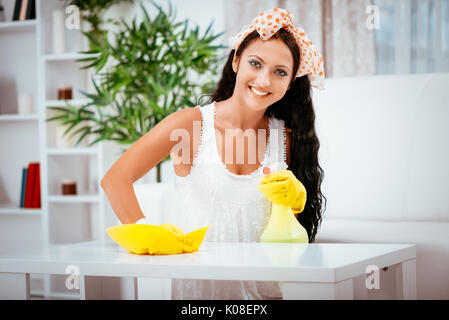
(24, 10)
(16, 12)
(31, 10)
(24, 181)
(31, 186)
(36, 199)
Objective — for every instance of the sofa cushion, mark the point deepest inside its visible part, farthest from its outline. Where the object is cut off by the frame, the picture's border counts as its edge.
(432, 247)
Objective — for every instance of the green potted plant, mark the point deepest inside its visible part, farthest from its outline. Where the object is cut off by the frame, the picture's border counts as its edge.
(146, 73)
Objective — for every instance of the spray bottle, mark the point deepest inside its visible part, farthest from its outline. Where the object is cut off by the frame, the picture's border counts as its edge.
(283, 226)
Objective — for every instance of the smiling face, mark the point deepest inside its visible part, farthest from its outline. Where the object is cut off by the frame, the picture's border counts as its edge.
(264, 71)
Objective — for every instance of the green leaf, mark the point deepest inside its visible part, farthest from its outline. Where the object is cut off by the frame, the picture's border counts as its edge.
(85, 133)
(92, 39)
(100, 64)
(209, 27)
(63, 109)
(55, 118)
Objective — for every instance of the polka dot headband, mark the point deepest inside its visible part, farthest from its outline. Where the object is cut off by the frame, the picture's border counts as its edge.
(268, 23)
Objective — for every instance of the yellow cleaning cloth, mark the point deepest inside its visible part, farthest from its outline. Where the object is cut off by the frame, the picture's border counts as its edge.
(156, 240)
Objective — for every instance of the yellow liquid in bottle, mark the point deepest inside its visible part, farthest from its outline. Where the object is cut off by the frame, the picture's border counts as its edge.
(283, 227)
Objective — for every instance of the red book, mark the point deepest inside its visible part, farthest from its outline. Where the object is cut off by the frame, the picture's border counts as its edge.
(31, 174)
(36, 197)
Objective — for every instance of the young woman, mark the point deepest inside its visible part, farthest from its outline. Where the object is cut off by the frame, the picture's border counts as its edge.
(265, 87)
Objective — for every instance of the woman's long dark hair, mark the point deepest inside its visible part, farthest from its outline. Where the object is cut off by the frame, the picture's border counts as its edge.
(296, 109)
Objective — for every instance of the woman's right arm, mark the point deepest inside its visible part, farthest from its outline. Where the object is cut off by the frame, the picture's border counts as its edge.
(140, 158)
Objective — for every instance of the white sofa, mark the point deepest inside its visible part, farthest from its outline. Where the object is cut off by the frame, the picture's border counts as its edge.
(384, 150)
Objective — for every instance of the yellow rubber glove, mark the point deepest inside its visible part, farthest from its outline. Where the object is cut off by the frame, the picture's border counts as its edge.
(156, 240)
(282, 187)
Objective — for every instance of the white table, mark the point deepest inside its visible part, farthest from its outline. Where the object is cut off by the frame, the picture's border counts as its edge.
(304, 271)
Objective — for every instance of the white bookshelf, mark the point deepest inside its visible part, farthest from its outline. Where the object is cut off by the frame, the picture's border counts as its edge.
(18, 117)
(72, 151)
(17, 26)
(14, 209)
(34, 68)
(58, 103)
(82, 198)
(66, 56)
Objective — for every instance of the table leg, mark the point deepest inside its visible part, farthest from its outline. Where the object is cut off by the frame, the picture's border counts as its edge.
(343, 290)
(406, 280)
(360, 289)
(153, 289)
(14, 286)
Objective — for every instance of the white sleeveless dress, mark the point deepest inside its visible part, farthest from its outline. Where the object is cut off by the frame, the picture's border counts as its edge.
(233, 206)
